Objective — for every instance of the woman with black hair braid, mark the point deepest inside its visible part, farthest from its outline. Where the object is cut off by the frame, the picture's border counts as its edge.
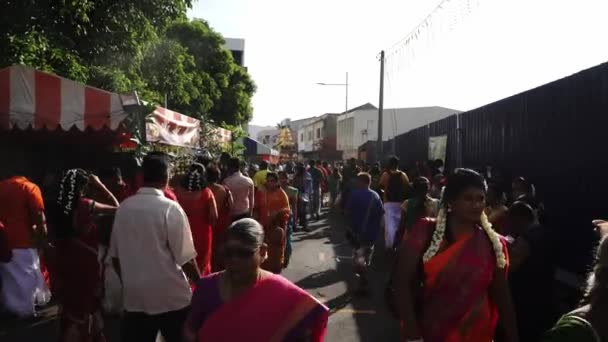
(77, 281)
(198, 202)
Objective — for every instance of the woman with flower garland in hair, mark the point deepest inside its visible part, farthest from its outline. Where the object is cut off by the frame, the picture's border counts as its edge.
(198, 202)
(77, 280)
(453, 271)
(224, 202)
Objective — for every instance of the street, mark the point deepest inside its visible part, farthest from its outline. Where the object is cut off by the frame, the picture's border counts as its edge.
(321, 264)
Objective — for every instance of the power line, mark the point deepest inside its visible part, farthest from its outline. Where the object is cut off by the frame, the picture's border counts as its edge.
(439, 6)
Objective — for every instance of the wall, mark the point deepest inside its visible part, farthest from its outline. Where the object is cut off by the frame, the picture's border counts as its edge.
(395, 121)
(307, 144)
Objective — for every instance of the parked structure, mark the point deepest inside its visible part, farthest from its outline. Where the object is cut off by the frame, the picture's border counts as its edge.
(294, 127)
(360, 125)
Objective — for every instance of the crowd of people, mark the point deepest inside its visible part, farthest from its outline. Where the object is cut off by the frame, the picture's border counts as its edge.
(191, 256)
(185, 256)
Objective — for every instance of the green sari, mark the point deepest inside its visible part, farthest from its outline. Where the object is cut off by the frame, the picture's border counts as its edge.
(572, 328)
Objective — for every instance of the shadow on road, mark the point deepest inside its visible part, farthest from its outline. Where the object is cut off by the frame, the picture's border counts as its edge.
(374, 322)
(320, 279)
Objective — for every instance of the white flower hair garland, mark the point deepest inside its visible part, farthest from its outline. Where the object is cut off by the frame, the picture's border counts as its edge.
(194, 178)
(439, 234)
(70, 176)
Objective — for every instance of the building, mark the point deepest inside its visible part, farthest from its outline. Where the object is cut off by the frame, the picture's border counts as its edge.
(253, 130)
(294, 127)
(359, 125)
(317, 139)
(237, 48)
(269, 137)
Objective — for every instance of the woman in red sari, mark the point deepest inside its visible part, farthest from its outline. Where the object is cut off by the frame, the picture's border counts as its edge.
(199, 204)
(224, 201)
(453, 271)
(77, 271)
(272, 211)
(246, 303)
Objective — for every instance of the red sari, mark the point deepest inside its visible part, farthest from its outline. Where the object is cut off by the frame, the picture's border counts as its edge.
(223, 221)
(196, 205)
(78, 282)
(455, 304)
(289, 313)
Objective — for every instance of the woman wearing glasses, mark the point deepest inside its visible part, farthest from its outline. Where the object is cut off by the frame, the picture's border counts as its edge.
(246, 303)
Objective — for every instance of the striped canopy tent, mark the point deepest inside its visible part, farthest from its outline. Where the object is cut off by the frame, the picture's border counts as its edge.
(34, 99)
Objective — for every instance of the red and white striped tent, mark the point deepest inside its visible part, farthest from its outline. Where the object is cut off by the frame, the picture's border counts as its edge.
(172, 128)
(32, 98)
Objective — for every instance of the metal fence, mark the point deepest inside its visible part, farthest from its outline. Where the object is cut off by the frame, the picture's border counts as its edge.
(553, 135)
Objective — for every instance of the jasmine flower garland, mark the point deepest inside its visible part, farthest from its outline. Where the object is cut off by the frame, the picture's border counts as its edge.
(439, 235)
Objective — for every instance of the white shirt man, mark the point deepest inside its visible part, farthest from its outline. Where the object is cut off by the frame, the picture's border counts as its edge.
(151, 242)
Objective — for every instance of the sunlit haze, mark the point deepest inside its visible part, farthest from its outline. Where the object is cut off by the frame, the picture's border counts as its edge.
(498, 49)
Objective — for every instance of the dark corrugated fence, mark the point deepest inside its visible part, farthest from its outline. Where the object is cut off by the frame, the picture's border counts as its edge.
(553, 135)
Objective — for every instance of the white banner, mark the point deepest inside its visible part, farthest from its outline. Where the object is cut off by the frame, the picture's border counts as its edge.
(438, 147)
(172, 128)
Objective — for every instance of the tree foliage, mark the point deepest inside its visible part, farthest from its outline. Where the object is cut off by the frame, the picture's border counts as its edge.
(121, 46)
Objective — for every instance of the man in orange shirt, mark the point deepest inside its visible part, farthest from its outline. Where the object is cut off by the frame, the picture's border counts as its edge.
(22, 212)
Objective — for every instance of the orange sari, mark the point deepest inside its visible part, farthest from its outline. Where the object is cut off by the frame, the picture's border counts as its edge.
(272, 211)
(456, 306)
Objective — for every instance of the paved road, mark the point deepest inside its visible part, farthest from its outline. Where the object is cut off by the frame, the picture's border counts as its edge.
(321, 264)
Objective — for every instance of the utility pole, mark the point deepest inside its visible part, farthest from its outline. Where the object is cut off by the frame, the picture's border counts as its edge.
(380, 107)
(346, 109)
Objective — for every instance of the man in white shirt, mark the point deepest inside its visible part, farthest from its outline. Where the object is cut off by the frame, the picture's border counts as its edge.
(151, 249)
(242, 189)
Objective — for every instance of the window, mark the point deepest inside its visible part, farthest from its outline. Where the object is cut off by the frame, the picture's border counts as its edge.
(318, 133)
(309, 136)
(301, 136)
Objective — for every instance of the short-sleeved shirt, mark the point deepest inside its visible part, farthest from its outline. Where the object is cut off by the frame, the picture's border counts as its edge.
(366, 226)
(151, 238)
(18, 198)
(259, 179)
(242, 189)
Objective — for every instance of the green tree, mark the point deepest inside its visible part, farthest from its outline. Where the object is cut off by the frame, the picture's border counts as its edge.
(227, 85)
(120, 46)
(70, 36)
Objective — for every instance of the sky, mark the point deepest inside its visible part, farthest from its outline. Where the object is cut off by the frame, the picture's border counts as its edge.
(470, 53)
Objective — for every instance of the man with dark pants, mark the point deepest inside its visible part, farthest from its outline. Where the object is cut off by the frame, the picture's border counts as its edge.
(317, 180)
(364, 211)
(153, 254)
